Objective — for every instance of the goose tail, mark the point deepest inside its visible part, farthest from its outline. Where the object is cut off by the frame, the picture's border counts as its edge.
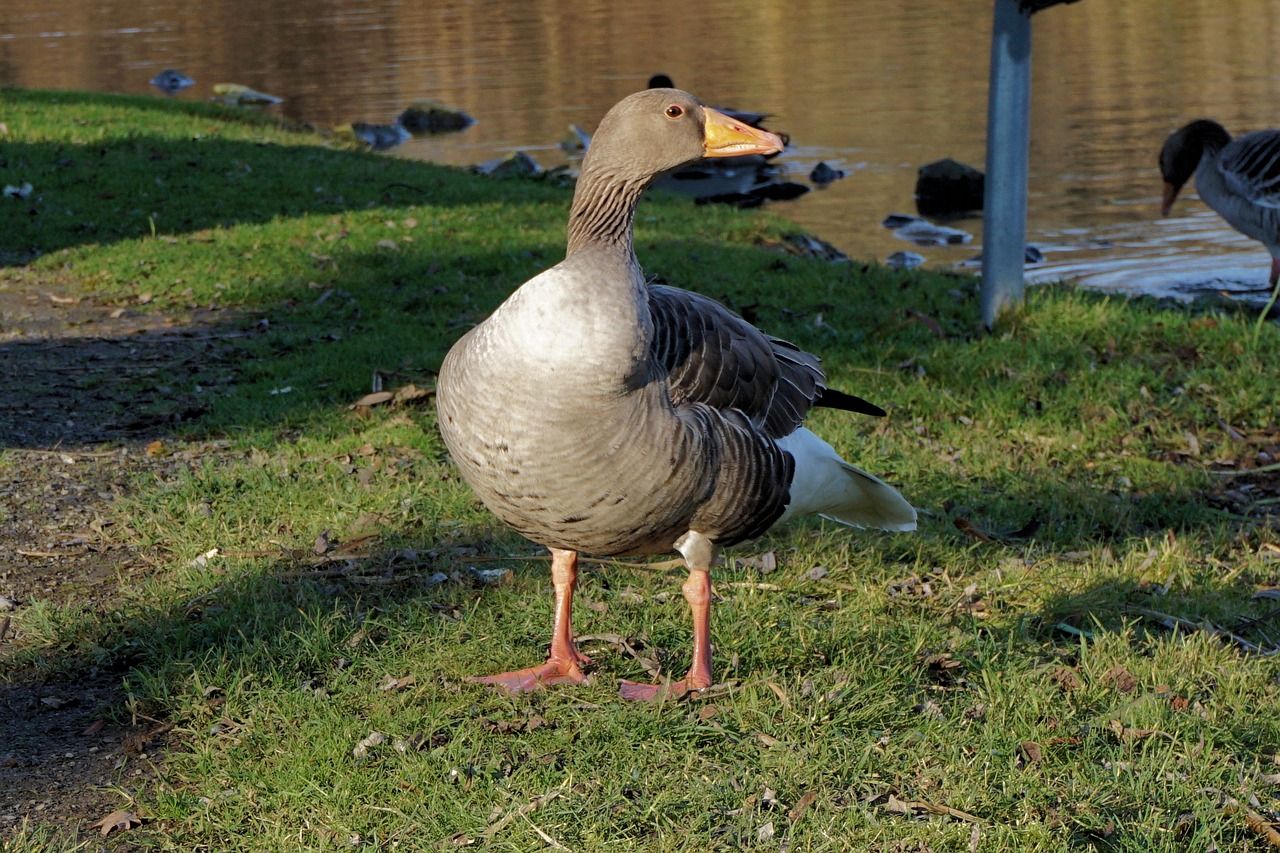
(826, 485)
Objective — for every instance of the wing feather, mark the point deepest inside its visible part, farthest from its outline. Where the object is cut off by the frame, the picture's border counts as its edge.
(1250, 166)
(710, 355)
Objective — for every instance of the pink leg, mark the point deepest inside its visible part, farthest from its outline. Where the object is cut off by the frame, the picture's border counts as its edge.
(699, 554)
(564, 663)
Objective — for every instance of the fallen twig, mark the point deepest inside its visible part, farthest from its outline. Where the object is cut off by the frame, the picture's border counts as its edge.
(911, 807)
(1208, 627)
(533, 805)
(1240, 472)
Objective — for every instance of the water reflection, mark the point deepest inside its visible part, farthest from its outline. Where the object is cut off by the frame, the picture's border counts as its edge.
(874, 89)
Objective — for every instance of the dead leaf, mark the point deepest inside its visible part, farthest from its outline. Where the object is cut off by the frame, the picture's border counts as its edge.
(1121, 679)
(802, 806)
(490, 577)
(391, 683)
(322, 543)
(767, 740)
(377, 398)
(120, 820)
(969, 529)
(1255, 822)
(410, 392)
(1124, 732)
(926, 321)
(1066, 679)
(361, 749)
(157, 448)
(94, 727)
(1030, 750)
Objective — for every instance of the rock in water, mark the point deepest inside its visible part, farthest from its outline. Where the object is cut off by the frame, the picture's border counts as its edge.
(946, 186)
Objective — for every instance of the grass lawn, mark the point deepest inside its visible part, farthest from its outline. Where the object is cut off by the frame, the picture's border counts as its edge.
(1073, 652)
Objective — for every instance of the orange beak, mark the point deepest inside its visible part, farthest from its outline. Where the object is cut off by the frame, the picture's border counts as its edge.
(726, 137)
(1170, 193)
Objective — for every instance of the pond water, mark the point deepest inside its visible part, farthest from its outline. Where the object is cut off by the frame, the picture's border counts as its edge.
(874, 88)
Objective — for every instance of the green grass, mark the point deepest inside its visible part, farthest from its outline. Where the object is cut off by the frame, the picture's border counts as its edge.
(915, 666)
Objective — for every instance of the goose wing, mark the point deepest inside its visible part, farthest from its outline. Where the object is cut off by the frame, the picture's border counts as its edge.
(708, 354)
(1250, 166)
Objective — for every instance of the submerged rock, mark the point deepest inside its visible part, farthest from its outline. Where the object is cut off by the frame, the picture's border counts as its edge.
(171, 82)
(236, 95)
(425, 117)
(946, 186)
(823, 174)
(515, 164)
(379, 137)
(904, 260)
(925, 233)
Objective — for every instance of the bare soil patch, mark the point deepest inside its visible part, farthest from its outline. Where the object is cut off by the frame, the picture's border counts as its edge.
(85, 387)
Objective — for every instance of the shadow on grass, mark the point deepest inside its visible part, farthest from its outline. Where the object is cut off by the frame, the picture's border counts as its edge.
(131, 184)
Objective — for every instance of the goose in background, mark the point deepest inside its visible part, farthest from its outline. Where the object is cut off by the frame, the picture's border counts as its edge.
(1239, 179)
(171, 82)
(596, 413)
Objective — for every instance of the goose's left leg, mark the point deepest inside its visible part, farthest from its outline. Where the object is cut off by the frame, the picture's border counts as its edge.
(699, 553)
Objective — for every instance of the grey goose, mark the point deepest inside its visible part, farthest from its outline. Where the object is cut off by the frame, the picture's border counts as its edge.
(1239, 179)
(594, 412)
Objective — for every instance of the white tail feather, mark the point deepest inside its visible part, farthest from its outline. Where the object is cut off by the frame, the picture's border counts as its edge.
(827, 485)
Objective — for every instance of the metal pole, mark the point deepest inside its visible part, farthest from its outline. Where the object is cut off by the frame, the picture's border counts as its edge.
(1004, 224)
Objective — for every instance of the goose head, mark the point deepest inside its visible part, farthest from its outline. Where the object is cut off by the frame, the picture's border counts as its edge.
(1181, 153)
(643, 136)
(657, 130)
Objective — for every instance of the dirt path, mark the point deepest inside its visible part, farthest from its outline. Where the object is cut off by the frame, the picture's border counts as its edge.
(85, 388)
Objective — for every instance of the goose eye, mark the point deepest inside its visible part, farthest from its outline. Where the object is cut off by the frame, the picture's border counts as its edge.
(675, 111)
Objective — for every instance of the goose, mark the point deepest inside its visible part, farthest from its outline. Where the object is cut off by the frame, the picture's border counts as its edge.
(1239, 179)
(594, 412)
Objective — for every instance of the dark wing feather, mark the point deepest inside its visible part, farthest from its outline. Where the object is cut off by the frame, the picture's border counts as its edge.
(1251, 166)
(710, 355)
(752, 484)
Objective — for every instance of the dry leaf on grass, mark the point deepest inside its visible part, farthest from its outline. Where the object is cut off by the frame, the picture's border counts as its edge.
(119, 820)
(801, 806)
(1121, 679)
(916, 808)
(1066, 679)
(1030, 750)
(361, 750)
(391, 683)
(970, 529)
(1254, 821)
(1124, 732)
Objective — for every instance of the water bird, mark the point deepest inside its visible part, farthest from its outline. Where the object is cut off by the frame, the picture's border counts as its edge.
(597, 413)
(171, 82)
(1239, 179)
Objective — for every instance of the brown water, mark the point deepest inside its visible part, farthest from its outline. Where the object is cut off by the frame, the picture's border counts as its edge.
(876, 88)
